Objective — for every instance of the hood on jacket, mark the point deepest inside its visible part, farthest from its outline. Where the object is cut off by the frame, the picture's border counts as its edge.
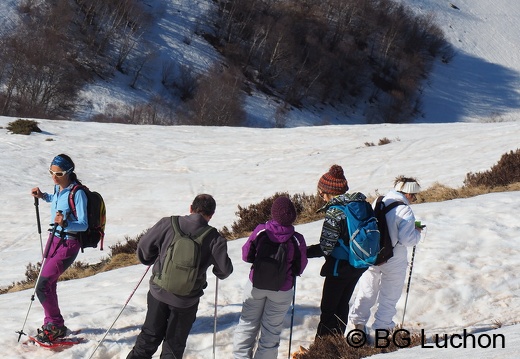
(278, 233)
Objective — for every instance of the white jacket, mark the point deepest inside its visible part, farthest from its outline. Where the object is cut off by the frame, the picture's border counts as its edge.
(401, 222)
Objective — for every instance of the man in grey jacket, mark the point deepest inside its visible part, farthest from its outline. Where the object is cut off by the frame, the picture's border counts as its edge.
(170, 317)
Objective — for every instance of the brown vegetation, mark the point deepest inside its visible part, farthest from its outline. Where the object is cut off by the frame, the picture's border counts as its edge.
(338, 347)
(504, 173)
(218, 100)
(121, 255)
(23, 127)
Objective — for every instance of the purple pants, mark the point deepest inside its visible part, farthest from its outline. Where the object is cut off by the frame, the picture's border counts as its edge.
(57, 261)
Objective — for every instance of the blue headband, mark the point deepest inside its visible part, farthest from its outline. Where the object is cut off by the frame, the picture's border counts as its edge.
(63, 164)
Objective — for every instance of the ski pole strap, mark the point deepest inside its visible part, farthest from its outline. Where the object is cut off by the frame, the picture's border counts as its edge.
(61, 242)
(51, 238)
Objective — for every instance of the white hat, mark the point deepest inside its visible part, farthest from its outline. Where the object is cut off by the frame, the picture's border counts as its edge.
(407, 187)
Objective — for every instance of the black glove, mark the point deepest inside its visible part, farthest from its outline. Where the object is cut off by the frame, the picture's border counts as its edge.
(314, 251)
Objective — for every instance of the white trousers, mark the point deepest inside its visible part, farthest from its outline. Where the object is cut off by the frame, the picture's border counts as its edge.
(263, 311)
(382, 284)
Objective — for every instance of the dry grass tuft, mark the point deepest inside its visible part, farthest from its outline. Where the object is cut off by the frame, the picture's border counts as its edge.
(120, 261)
(337, 347)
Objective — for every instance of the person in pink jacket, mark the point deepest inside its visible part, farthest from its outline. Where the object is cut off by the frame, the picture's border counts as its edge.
(264, 310)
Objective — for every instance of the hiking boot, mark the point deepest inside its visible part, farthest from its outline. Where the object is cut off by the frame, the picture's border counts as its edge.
(50, 332)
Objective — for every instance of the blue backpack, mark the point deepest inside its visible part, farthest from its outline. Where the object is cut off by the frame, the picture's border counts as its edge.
(363, 244)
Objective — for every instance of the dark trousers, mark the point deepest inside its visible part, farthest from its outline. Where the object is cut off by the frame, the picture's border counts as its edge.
(165, 324)
(335, 303)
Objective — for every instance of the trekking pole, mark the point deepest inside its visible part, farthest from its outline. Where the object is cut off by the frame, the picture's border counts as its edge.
(36, 206)
(124, 306)
(408, 286)
(215, 318)
(292, 318)
(21, 332)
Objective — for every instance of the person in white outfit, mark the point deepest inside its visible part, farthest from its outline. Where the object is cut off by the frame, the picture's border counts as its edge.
(384, 283)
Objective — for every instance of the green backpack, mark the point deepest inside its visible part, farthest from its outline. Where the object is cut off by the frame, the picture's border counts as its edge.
(180, 269)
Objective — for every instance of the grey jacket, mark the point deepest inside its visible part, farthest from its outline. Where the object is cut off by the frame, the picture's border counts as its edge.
(152, 247)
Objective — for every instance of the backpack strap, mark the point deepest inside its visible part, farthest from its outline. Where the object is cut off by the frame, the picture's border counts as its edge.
(197, 237)
(72, 206)
(389, 208)
(392, 206)
(340, 255)
(72, 193)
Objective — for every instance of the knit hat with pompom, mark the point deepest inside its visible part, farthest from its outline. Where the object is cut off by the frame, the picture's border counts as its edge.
(333, 182)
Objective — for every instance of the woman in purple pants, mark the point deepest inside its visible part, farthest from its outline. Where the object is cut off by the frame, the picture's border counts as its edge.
(62, 246)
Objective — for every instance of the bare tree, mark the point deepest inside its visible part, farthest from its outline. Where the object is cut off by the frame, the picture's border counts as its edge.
(218, 99)
(186, 82)
(140, 62)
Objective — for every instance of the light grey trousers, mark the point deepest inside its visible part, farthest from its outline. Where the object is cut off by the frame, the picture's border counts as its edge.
(263, 312)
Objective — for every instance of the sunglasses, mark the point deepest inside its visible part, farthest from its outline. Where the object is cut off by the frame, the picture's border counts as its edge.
(58, 173)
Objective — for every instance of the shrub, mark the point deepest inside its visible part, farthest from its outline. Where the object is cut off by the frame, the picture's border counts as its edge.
(129, 247)
(31, 274)
(384, 141)
(23, 127)
(505, 172)
(254, 214)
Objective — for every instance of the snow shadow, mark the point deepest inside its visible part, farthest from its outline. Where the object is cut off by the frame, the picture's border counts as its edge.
(204, 324)
(470, 87)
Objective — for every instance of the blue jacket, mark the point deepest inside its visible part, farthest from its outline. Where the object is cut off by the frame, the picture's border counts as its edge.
(60, 202)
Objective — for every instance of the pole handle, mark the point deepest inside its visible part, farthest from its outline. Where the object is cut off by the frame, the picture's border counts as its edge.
(36, 204)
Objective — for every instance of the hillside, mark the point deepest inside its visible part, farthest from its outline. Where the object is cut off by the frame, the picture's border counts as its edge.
(479, 84)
